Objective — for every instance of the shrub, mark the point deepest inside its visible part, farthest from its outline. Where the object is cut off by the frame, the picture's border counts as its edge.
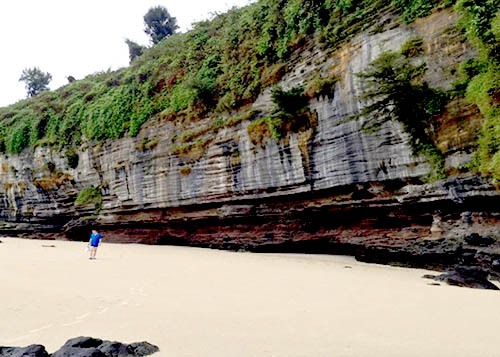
(319, 86)
(412, 9)
(72, 158)
(259, 130)
(89, 195)
(394, 91)
(412, 47)
(291, 102)
(151, 144)
(185, 170)
(291, 114)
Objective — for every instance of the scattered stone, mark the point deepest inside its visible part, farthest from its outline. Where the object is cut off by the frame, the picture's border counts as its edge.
(348, 267)
(478, 240)
(434, 284)
(470, 277)
(48, 245)
(84, 347)
(30, 351)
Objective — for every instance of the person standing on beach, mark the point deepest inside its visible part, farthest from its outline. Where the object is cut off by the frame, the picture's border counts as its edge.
(94, 241)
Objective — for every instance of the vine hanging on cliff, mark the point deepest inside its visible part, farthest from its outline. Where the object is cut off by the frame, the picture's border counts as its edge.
(394, 91)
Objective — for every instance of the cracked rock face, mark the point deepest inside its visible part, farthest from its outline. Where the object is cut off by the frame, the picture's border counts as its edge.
(360, 192)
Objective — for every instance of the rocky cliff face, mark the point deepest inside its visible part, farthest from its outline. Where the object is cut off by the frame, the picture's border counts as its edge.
(332, 189)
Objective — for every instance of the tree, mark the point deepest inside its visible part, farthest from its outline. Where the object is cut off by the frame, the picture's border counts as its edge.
(35, 80)
(134, 49)
(159, 23)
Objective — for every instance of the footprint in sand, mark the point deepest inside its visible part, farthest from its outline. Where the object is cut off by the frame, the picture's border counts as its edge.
(83, 316)
(40, 329)
(78, 320)
(138, 291)
(72, 323)
(29, 334)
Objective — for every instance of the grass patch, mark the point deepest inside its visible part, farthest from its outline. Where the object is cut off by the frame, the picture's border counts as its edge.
(89, 195)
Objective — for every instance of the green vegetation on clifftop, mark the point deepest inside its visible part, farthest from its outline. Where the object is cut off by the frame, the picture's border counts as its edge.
(211, 71)
(480, 20)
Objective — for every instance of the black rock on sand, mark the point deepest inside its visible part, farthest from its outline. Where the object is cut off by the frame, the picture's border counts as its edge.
(30, 351)
(471, 277)
(84, 347)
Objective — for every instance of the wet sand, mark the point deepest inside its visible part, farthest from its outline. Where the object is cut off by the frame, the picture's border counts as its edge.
(200, 302)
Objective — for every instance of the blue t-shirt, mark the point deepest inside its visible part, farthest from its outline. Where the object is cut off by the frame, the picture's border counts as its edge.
(95, 239)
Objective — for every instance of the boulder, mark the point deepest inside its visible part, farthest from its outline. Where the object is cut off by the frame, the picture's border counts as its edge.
(471, 277)
(30, 351)
(117, 349)
(94, 347)
(478, 240)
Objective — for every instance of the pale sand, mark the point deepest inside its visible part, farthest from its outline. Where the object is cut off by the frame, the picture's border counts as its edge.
(199, 302)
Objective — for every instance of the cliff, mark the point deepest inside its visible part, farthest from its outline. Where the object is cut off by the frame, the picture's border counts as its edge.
(329, 187)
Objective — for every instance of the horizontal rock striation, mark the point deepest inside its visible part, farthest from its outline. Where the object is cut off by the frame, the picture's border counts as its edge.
(334, 188)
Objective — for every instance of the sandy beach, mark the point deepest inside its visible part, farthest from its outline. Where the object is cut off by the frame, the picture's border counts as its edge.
(200, 302)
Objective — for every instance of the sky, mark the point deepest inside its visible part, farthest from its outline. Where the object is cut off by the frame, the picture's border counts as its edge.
(80, 37)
